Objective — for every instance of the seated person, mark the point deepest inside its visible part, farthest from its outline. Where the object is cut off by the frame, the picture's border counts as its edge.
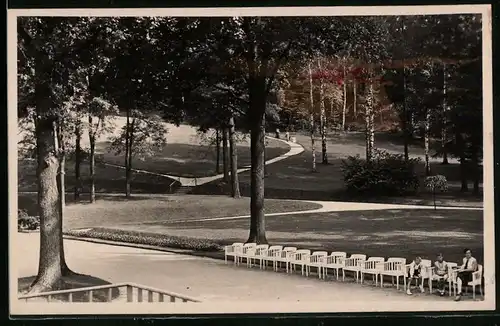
(441, 273)
(416, 273)
(464, 273)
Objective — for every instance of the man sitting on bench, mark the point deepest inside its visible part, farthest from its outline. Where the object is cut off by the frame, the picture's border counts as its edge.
(464, 273)
(416, 274)
(441, 270)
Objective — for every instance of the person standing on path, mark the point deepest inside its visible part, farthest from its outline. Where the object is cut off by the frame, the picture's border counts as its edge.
(464, 273)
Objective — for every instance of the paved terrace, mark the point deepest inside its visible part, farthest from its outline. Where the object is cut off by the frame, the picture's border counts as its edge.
(207, 279)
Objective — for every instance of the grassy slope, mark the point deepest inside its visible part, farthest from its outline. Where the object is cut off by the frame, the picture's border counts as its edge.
(292, 178)
(192, 160)
(108, 179)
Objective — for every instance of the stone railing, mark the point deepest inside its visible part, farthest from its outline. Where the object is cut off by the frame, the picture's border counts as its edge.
(120, 292)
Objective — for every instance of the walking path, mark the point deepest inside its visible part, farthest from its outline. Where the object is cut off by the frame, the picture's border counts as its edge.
(212, 280)
(295, 149)
(327, 206)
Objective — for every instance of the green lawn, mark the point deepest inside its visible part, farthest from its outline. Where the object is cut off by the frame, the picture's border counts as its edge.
(389, 233)
(116, 210)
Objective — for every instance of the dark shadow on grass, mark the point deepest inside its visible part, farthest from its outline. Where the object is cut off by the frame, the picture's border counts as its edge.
(108, 179)
(74, 282)
(29, 202)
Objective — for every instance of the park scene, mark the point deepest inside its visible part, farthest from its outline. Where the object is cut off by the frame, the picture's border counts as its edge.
(204, 159)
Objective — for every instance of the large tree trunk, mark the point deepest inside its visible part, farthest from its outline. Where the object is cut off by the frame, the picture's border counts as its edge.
(344, 97)
(324, 154)
(217, 144)
(225, 156)
(444, 121)
(427, 142)
(49, 275)
(257, 148)
(78, 159)
(235, 185)
(311, 120)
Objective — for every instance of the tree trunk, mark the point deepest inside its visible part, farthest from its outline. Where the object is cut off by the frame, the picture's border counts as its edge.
(475, 171)
(344, 96)
(463, 175)
(463, 163)
(257, 148)
(128, 172)
(427, 142)
(217, 144)
(49, 275)
(332, 115)
(444, 121)
(265, 143)
(355, 98)
(369, 125)
(311, 119)
(406, 131)
(78, 159)
(92, 161)
(324, 154)
(61, 185)
(127, 150)
(372, 123)
(225, 160)
(235, 188)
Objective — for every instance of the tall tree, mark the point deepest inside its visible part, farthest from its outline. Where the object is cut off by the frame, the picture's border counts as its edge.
(235, 186)
(312, 125)
(323, 121)
(225, 153)
(41, 52)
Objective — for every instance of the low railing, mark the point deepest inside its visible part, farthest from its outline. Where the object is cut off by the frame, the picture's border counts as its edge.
(170, 186)
(141, 293)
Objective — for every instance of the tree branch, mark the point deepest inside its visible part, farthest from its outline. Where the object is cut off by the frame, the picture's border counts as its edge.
(235, 96)
(277, 65)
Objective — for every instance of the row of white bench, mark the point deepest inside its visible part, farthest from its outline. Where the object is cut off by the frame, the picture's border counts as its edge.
(358, 264)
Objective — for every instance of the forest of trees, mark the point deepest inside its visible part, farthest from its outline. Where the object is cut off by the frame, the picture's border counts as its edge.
(418, 75)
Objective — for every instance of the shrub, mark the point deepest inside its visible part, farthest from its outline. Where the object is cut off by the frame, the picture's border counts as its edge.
(26, 222)
(385, 174)
(151, 239)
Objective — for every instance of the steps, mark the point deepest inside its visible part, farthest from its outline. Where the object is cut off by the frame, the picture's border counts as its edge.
(183, 190)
